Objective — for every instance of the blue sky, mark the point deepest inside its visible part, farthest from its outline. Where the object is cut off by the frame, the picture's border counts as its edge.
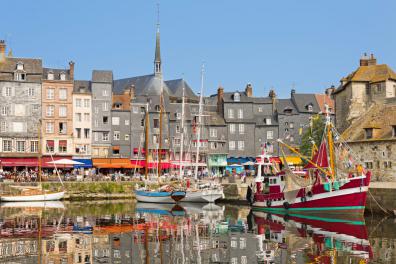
(309, 43)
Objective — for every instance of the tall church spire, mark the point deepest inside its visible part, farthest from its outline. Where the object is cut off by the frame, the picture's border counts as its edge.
(157, 59)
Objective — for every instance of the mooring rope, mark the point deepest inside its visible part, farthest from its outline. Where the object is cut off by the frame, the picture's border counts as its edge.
(385, 211)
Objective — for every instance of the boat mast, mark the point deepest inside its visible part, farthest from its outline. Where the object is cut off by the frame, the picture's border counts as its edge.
(199, 124)
(147, 141)
(330, 141)
(182, 135)
(39, 150)
(159, 153)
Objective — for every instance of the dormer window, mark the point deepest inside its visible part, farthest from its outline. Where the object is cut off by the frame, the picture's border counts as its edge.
(19, 66)
(117, 106)
(394, 131)
(237, 97)
(62, 76)
(288, 111)
(81, 89)
(309, 107)
(19, 76)
(178, 115)
(369, 133)
(50, 75)
(157, 108)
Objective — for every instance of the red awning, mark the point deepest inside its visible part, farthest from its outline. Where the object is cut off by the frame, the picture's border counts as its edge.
(50, 143)
(62, 143)
(32, 162)
(272, 159)
(151, 165)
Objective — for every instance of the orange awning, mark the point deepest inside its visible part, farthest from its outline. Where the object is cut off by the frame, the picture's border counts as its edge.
(114, 164)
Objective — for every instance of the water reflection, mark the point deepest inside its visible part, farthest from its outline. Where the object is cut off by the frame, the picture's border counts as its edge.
(128, 232)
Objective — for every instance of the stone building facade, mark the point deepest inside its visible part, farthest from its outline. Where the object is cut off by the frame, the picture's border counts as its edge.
(82, 119)
(20, 105)
(358, 91)
(57, 111)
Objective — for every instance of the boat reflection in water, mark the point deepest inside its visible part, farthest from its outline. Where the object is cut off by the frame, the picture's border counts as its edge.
(313, 239)
(128, 232)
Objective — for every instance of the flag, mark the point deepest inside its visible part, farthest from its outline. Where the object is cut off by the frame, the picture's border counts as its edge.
(300, 130)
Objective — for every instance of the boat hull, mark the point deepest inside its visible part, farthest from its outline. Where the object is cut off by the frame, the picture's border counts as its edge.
(31, 198)
(351, 201)
(156, 197)
(37, 204)
(203, 196)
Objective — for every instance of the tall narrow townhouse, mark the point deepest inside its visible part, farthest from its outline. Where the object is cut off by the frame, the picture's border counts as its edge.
(101, 85)
(82, 119)
(57, 112)
(20, 110)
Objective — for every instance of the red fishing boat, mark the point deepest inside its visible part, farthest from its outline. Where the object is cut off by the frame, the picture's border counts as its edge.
(332, 180)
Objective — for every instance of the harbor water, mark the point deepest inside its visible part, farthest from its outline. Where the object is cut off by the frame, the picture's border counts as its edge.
(131, 232)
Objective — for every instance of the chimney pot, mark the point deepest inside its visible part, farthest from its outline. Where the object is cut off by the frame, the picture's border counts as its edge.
(71, 70)
(249, 90)
(2, 49)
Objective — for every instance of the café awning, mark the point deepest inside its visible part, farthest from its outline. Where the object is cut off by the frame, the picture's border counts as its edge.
(119, 163)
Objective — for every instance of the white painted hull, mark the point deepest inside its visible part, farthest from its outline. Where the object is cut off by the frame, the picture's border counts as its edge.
(152, 199)
(32, 198)
(203, 196)
(40, 204)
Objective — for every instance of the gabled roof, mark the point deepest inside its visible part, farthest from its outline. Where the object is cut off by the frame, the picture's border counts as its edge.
(302, 101)
(82, 87)
(324, 99)
(284, 104)
(176, 87)
(32, 67)
(102, 76)
(56, 73)
(144, 85)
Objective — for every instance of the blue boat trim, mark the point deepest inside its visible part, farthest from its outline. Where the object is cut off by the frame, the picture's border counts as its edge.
(153, 194)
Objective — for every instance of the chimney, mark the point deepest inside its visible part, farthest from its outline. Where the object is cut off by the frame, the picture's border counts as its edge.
(364, 60)
(330, 90)
(272, 95)
(249, 90)
(2, 49)
(220, 95)
(71, 70)
(372, 60)
(130, 91)
(292, 92)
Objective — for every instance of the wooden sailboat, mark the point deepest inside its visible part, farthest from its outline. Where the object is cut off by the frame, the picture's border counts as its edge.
(203, 192)
(329, 185)
(35, 193)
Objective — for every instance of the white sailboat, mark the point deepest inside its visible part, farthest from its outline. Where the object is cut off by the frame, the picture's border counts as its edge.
(35, 193)
(203, 192)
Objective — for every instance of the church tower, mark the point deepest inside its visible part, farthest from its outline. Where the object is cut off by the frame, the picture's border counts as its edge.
(157, 58)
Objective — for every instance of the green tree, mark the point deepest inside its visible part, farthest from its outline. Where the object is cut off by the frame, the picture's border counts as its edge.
(315, 134)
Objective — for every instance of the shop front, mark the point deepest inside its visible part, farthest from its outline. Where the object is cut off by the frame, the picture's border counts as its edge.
(217, 164)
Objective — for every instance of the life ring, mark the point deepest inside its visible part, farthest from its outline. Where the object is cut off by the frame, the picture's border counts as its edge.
(309, 194)
(286, 205)
(303, 199)
(268, 203)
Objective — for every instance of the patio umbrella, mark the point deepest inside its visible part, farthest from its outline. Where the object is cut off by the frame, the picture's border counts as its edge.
(65, 162)
(235, 165)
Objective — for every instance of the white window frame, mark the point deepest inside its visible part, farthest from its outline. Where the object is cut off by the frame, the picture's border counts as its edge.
(230, 113)
(105, 106)
(232, 128)
(240, 113)
(104, 92)
(270, 134)
(50, 110)
(50, 93)
(78, 102)
(116, 135)
(4, 110)
(268, 121)
(31, 91)
(241, 145)
(87, 103)
(19, 144)
(213, 132)
(115, 120)
(62, 94)
(241, 129)
(231, 145)
(8, 91)
(49, 127)
(126, 122)
(62, 111)
(105, 136)
(3, 126)
(7, 145)
(126, 137)
(87, 117)
(135, 109)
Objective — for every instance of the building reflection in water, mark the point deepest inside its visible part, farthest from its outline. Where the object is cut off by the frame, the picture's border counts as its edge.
(190, 233)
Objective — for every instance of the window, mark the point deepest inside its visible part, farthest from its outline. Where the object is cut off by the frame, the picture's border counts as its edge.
(241, 145)
(156, 123)
(115, 121)
(104, 92)
(369, 133)
(142, 110)
(50, 146)
(142, 122)
(270, 134)
(388, 164)
(96, 110)
(310, 108)
(62, 128)
(62, 94)
(135, 109)
(237, 97)
(19, 76)
(87, 103)
(126, 137)
(3, 126)
(62, 76)
(116, 135)
(105, 136)
(368, 164)
(105, 106)
(50, 93)
(155, 139)
(34, 146)
(291, 125)
(260, 109)
(105, 120)
(240, 113)
(267, 121)
(62, 146)
(231, 145)
(213, 132)
(127, 122)
(7, 145)
(213, 145)
(86, 117)
(96, 135)
(230, 113)
(31, 92)
(157, 108)
(78, 132)
(86, 133)
(394, 131)
(20, 146)
(4, 110)
(62, 111)
(49, 127)
(50, 75)
(8, 91)
(291, 139)
(78, 117)
(232, 128)
(78, 102)
(176, 141)
(178, 115)
(241, 129)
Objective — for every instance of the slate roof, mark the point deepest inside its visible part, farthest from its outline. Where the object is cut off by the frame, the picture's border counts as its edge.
(82, 87)
(282, 104)
(31, 67)
(102, 76)
(228, 97)
(56, 73)
(301, 102)
(144, 85)
(176, 87)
